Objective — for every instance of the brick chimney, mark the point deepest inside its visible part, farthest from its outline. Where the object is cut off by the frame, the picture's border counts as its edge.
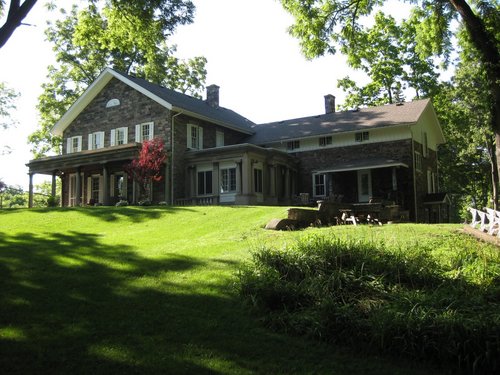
(213, 96)
(329, 103)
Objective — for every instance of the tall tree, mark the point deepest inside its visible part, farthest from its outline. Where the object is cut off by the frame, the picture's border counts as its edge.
(18, 10)
(121, 35)
(386, 52)
(323, 25)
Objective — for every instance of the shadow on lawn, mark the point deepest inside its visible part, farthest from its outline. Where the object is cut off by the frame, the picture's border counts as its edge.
(71, 304)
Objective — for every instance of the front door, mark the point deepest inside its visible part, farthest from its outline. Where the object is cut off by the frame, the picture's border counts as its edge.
(364, 185)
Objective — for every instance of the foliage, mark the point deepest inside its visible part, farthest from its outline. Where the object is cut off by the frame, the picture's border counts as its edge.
(7, 104)
(147, 167)
(122, 35)
(416, 302)
(386, 52)
(16, 197)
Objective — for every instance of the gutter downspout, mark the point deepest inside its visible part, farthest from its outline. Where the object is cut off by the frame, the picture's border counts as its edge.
(172, 158)
(414, 175)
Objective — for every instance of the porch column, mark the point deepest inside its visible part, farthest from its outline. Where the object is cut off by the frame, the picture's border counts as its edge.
(215, 181)
(238, 177)
(245, 173)
(394, 179)
(53, 186)
(287, 183)
(105, 185)
(272, 182)
(78, 200)
(30, 199)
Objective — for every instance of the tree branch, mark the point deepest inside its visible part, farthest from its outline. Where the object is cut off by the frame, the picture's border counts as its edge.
(17, 12)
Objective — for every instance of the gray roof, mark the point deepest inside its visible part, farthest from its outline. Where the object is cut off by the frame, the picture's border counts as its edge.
(362, 119)
(194, 106)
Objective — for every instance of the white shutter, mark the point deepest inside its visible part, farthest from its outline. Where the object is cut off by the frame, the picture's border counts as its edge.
(79, 143)
(90, 142)
(125, 135)
(101, 140)
(138, 133)
(68, 145)
(200, 138)
(151, 130)
(89, 189)
(113, 136)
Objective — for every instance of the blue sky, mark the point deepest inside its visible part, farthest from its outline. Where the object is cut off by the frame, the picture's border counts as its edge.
(258, 66)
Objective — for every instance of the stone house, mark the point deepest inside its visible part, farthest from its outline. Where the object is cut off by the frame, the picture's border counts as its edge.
(217, 156)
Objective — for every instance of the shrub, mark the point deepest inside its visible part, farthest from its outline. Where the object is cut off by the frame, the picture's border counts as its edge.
(397, 301)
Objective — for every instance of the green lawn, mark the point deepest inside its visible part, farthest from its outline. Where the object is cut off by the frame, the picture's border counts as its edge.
(152, 290)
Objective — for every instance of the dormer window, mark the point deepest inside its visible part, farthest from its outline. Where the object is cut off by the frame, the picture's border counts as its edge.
(361, 136)
(292, 145)
(325, 141)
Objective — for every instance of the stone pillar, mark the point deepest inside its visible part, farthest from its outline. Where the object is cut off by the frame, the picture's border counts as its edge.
(238, 178)
(272, 182)
(30, 199)
(78, 200)
(105, 186)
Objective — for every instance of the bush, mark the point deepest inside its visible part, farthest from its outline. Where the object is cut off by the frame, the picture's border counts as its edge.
(401, 302)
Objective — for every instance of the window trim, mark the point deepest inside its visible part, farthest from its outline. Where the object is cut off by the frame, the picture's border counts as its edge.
(325, 141)
(317, 185)
(70, 144)
(92, 144)
(362, 136)
(293, 145)
(418, 161)
(226, 182)
(114, 136)
(219, 138)
(139, 132)
(205, 192)
(199, 137)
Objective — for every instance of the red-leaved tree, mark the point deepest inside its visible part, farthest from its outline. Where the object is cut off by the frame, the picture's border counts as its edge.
(147, 166)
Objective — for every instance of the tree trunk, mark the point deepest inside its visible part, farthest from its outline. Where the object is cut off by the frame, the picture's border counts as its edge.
(17, 13)
(486, 44)
(494, 172)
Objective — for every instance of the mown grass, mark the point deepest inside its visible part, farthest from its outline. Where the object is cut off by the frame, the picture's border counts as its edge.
(419, 292)
(153, 290)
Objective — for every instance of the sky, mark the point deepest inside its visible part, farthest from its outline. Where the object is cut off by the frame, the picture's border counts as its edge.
(259, 67)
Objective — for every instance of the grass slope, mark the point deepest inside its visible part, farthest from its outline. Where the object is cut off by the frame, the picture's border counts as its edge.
(149, 290)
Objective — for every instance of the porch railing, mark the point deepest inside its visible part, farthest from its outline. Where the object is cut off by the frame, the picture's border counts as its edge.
(198, 201)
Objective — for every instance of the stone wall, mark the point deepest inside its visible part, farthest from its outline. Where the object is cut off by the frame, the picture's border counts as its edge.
(135, 108)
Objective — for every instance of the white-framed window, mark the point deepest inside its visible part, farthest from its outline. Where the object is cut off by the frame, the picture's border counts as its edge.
(361, 136)
(425, 145)
(219, 138)
(325, 141)
(418, 161)
(228, 180)
(94, 192)
(257, 180)
(292, 145)
(204, 182)
(144, 132)
(96, 140)
(319, 185)
(113, 103)
(194, 137)
(119, 136)
(74, 144)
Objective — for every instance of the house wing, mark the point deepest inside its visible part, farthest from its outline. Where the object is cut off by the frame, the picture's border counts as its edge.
(170, 99)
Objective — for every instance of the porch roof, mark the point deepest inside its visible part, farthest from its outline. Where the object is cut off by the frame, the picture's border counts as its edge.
(364, 164)
(50, 164)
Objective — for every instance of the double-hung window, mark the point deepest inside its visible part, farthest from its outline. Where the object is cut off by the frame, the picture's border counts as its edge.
(319, 185)
(74, 144)
(219, 138)
(204, 182)
(325, 141)
(257, 180)
(96, 140)
(228, 180)
(418, 161)
(144, 132)
(361, 136)
(194, 137)
(292, 145)
(119, 136)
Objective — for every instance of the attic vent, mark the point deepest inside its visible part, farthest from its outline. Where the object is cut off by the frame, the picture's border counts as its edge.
(113, 103)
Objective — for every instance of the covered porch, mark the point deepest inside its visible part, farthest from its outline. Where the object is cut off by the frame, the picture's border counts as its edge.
(94, 177)
(366, 185)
